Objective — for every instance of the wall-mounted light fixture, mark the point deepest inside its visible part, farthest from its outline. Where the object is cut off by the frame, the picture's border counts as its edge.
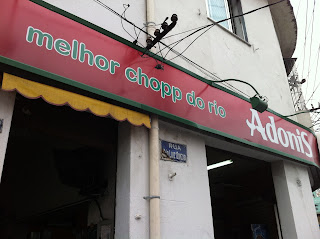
(220, 164)
(258, 102)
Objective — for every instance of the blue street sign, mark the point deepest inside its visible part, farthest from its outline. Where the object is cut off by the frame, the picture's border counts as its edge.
(173, 152)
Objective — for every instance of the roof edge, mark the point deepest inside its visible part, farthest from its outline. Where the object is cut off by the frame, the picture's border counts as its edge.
(285, 25)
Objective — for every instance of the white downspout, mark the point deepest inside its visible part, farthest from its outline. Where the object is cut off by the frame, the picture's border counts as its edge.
(154, 152)
(154, 206)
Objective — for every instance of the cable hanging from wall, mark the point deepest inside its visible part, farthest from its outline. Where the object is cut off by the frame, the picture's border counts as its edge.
(211, 75)
(213, 24)
(177, 42)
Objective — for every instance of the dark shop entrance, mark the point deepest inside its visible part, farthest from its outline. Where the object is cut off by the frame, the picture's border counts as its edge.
(242, 197)
(59, 174)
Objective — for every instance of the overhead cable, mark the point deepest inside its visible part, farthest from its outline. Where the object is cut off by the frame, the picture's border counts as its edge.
(201, 28)
(314, 90)
(223, 20)
(297, 13)
(305, 40)
(312, 23)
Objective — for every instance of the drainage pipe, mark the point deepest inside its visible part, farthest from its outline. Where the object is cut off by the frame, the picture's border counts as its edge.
(154, 152)
(154, 210)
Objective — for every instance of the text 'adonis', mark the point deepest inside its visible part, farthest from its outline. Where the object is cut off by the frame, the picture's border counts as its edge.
(296, 141)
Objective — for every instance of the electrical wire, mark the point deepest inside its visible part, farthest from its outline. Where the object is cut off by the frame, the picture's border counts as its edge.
(315, 77)
(297, 13)
(315, 89)
(300, 54)
(302, 112)
(223, 20)
(316, 118)
(208, 73)
(305, 39)
(209, 27)
(312, 23)
(315, 125)
(119, 15)
(123, 16)
(314, 61)
(215, 78)
(297, 101)
(180, 55)
(189, 44)
(182, 32)
(211, 75)
(177, 42)
(160, 52)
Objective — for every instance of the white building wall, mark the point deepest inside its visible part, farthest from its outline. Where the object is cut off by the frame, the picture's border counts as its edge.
(296, 207)
(185, 201)
(6, 110)
(132, 183)
(258, 62)
(305, 120)
(94, 13)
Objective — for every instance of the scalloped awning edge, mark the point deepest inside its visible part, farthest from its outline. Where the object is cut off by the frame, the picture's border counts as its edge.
(59, 97)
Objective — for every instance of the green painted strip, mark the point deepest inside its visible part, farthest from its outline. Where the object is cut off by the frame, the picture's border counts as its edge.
(142, 106)
(130, 44)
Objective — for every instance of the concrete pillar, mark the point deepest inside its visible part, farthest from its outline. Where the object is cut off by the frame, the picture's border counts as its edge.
(297, 212)
(6, 110)
(185, 200)
(132, 211)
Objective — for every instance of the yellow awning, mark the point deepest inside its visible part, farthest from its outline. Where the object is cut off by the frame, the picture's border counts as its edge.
(55, 96)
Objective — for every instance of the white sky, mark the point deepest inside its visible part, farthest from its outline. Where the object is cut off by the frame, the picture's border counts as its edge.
(307, 51)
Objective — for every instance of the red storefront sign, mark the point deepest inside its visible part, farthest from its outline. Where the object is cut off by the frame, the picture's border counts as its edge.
(73, 53)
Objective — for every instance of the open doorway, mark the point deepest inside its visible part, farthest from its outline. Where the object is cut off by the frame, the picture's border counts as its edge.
(59, 174)
(242, 196)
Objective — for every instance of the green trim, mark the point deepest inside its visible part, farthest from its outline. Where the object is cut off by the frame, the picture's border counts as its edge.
(130, 44)
(143, 107)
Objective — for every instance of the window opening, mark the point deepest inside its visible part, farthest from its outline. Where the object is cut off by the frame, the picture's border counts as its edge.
(223, 9)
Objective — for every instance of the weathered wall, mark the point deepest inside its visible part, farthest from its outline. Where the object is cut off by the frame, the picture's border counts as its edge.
(6, 110)
(295, 201)
(185, 201)
(258, 62)
(132, 183)
(93, 12)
